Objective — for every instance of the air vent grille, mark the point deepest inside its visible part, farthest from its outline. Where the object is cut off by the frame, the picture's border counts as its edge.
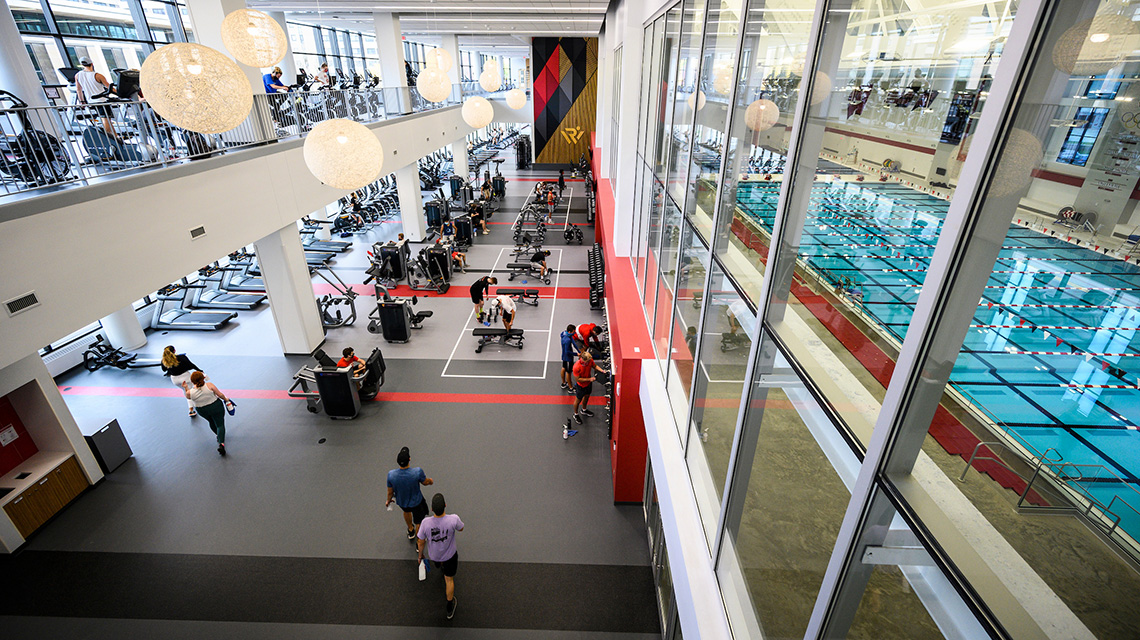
(22, 303)
(197, 232)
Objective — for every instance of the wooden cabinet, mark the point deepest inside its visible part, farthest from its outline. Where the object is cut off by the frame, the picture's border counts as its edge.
(39, 502)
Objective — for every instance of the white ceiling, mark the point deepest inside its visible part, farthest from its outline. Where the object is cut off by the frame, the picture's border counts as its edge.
(504, 18)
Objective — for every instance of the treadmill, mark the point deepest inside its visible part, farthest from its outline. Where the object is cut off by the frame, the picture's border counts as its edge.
(213, 297)
(238, 279)
(313, 258)
(336, 246)
(181, 318)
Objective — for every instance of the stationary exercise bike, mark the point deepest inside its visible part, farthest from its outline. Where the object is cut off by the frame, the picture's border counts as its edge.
(101, 354)
(28, 155)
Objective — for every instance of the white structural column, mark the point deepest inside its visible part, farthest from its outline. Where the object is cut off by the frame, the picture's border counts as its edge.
(287, 64)
(459, 159)
(625, 173)
(16, 71)
(450, 44)
(123, 329)
(290, 288)
(390, 46)
(411, 202)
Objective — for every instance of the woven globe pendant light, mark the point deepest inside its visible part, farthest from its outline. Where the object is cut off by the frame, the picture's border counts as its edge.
(439, 59)
(433, 85)
(478, 112)
(722, 78)
(195, 87)
(490, 79)
(761, 115)
(254, 38)
(1092, 47)
(516, 99)
(343, 154)
(696, 101)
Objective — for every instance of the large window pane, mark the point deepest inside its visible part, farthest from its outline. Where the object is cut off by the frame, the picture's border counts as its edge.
(861, 223)
(670, 245)
(1047, 372)
(793, 474)
(104, 19)
(691, 272)
(725, 339)
(761, 129)
(718, 76)
(160, 17)
(29, 16)
(683, 96)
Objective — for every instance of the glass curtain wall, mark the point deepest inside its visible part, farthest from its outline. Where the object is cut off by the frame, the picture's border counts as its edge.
(117, 34)
(850, 152)
(344, 51)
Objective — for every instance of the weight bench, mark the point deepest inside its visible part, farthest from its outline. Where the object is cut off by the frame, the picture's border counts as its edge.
(526, 270)
(497, 335)
(526, 296)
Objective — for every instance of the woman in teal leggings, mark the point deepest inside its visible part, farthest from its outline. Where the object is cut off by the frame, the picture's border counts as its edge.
(212, 405)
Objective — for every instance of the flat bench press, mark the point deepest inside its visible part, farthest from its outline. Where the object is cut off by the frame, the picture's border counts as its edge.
(526, 270)
(497, 335)
(525, 296)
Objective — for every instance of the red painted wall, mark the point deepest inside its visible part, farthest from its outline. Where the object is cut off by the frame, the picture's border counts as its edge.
(630, 345)
(20, 449)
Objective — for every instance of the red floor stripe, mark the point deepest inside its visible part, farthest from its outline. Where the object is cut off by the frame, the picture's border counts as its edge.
(564, 293)
(383, 396)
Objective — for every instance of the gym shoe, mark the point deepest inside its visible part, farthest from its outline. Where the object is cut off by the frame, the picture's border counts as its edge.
(222, 450)
(577, 418)
(411, 534)
(193, 413)
(451, 607)
(564, 385)
(587, 413)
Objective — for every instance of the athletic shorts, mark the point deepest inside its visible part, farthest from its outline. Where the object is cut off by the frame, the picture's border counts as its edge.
(419, 512)
(568, 366)
(477, 298)
(449, 566)
(582, 392)
(104, 110)
(508, 317)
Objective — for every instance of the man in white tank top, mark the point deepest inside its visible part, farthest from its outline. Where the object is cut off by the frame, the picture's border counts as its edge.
(89, 85)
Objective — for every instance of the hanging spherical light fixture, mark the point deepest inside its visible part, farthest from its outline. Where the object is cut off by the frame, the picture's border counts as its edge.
(696, 101)
(343, 154)
(254, 38)
(439, 59)
(821, 89)
(516, 99)
(722, 79)
(1092, 47)
(761, 115)
(490, 79)
(1022, 154)
(196, 88)
(433, 85)
(478, 112)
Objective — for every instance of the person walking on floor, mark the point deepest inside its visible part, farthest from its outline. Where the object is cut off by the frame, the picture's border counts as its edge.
(212, 404)
(404, 488)
(584, 384)
(437, 534)
(479, 293)
(561, 181)
(178, 367)
(569, 357)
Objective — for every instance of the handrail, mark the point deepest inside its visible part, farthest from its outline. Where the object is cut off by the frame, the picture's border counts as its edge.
(47, 148)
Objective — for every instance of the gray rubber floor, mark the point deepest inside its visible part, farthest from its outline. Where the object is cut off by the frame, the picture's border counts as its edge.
(546, 552)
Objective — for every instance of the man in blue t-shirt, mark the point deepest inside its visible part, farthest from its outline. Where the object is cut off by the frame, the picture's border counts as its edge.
(272, 81)
(404, 487)
(569, 356)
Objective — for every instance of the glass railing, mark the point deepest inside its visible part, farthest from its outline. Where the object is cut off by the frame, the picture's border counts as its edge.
(44, 149)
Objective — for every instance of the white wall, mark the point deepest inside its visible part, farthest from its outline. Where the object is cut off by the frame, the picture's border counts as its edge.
(89, 251)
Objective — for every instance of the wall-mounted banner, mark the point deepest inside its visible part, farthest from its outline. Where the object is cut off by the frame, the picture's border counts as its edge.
(565, 97)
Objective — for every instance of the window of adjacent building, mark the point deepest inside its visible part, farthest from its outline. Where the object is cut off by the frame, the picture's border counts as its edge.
(1079, 140)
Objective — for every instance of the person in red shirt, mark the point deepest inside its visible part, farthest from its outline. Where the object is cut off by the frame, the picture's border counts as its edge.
(583, 375)
(550, 199)
(588, 334)
(350, 360)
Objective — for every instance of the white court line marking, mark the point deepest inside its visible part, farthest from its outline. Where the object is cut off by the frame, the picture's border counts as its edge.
(553, 304)
(470, 314)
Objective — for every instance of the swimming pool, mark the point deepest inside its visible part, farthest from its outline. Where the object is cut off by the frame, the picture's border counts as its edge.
(1052, 353)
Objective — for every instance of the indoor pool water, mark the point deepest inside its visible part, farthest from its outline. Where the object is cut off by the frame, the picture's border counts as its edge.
(1054, 335)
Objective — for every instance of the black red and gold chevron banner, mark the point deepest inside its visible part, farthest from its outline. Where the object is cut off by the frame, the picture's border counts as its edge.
(565, 97)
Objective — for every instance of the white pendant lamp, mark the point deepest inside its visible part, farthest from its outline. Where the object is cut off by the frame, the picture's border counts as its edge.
(254, 38)
(439, 59)
(478, 112)
(196, 87)
(821, 89)
(696, 101)
(433, 85)
(722, 79)
(516, 99)
(490, 79)
(343, 154)
(761, 115)
(1092, 47)
(1022, 154)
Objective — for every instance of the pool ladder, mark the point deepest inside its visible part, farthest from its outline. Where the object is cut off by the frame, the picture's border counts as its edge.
(1064, 479)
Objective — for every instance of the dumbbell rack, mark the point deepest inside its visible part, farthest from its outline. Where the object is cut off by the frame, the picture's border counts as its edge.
(530, 213)
(597, 271)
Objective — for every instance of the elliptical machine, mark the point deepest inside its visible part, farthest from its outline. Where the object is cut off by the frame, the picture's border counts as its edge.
(28, 155)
